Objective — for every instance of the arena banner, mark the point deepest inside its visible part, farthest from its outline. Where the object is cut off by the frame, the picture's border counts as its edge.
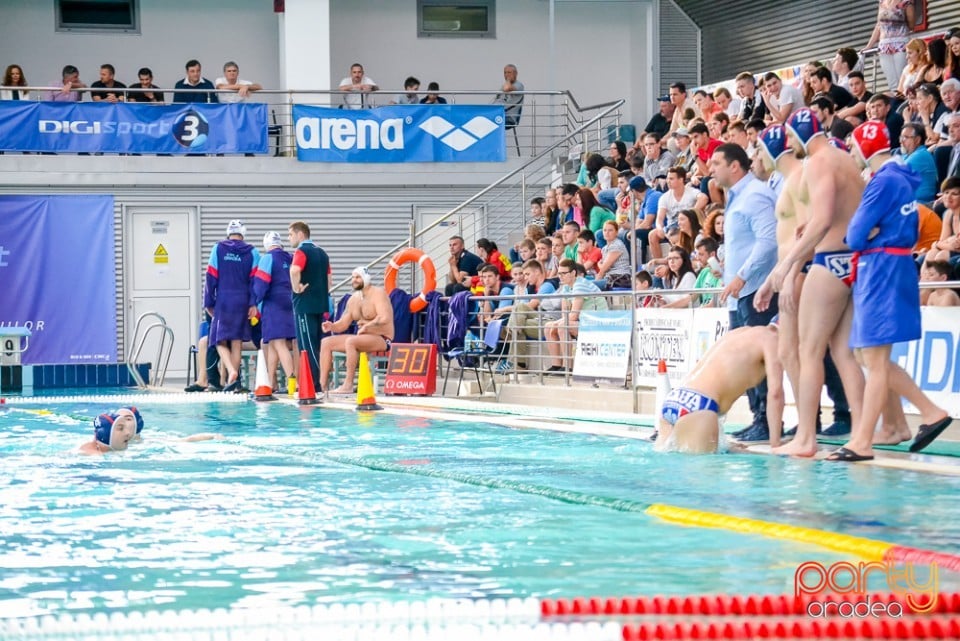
(57, 276)
(603, 346)
(662, 334)
(934, 360)
(403, 133)
(85, 127)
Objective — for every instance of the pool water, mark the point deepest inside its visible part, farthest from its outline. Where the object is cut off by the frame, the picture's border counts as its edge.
(300, 506)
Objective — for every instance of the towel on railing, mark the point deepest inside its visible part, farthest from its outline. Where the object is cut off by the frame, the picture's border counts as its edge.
(402, 317)
(431, 326)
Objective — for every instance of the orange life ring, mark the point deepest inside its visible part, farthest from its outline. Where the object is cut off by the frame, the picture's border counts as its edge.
(412, 255)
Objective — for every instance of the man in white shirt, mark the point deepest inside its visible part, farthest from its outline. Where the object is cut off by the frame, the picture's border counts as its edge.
(781, 100)
(356, 88)
(231, 81)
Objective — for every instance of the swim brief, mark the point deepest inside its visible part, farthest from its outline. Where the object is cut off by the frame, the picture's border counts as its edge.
(840, 264)
(387, 341)
(682, 401)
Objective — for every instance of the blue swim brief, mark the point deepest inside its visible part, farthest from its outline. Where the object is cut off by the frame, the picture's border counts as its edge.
(682, 401)
(840, 264)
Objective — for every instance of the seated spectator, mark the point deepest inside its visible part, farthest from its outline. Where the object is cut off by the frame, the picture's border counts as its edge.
(526, 249)
(843, 64)
(656, 160)
(532, 233)
(530, 315)
(950, 94)
(550, 211)
(559, 249)
(920, 160)
(145, 82)
(565, 198)
(936, 62)
(596, 174)
(489, 253)
(916, 60)
(13, 77)
(660, 122)
(823, 108)
(754, 128)
(686, 156)
(806, 74)
(464, 266)
(618, 156)
(953, 53)
(879, 109)
(929, 230)
(648, 201)
(947, 249)
(711, 271)
(624, 204)
(713, 228)
(559, 333)
(546, 258)
(679, 196)
(728, 105)
(231, 81)
(411, 85)
(569, 234)
(752, 104)
(822, 82)
(70, 83)
(613, 271)
(705, 104)
(643, 282)
(109, 84)
(677, 274)
(937, 271)
(492, 286)
(926, 109)
(593, 214)
(781, 100)
(737, 134)
(689, 224)
(717, 126)
(856, 113)
(588, 254)
(194, 80)
(432, 97)
(536, 211)
(684, 106)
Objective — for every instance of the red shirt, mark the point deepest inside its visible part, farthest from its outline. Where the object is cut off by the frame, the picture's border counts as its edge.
(704, 154)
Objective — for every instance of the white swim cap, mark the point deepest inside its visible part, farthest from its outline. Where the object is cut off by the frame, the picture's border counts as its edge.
(272, 239)
(236, 227)
(363, 274)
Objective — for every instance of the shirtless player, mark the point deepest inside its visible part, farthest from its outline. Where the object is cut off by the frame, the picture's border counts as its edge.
(370, 307)
(740, 360)
(775, 154)
(830, 189)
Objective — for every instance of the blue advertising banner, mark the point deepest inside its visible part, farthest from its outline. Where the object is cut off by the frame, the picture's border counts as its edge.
(407, 133)
(133, 128)
(57, 276)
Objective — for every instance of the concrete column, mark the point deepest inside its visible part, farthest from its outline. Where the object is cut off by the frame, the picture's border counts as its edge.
(305, 48)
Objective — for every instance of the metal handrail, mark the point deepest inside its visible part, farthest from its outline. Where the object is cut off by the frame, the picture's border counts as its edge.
(134, 354)
(543, 154)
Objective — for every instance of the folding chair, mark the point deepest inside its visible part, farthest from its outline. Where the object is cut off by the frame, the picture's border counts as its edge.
(480, 355)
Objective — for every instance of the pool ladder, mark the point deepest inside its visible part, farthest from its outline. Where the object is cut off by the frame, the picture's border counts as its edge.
(164, 350)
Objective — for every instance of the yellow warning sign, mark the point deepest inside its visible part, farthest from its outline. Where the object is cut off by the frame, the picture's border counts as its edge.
(160, 255)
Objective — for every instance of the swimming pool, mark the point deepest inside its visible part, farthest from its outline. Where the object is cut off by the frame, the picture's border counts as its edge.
(299, 506)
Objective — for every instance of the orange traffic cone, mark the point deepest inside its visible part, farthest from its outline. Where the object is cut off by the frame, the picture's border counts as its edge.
(366, 401)
(306, 395)
(264, 390)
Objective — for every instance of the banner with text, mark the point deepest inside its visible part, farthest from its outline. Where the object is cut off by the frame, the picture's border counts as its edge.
(133, 128)
(57, 276)
(679, 336)
(934, 360)
(403, 133)
(603, 346)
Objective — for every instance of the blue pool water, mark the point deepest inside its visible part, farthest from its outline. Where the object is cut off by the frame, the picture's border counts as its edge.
(301, 506)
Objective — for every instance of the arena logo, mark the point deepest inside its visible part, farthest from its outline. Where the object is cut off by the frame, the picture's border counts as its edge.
(842, 578)
(460, 138)
(346, 133)
(97, 127)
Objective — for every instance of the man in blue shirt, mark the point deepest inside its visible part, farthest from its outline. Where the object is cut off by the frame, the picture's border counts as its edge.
(920, 160)
(194, 81)
(750, 238)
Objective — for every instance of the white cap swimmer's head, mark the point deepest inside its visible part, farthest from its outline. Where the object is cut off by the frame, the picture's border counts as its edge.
(236, 227)
(363, 274)
(272, 239)
(116, 428)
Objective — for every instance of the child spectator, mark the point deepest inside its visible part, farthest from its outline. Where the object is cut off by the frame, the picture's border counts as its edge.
(937, 271)
(490, 254)
(589, 255)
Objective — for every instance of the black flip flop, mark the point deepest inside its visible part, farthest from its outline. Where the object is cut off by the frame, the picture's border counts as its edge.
(194, 388)
(927, 433)
(847, 456)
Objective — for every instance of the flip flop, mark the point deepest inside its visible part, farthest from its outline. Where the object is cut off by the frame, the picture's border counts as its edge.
(847, 456)
(194, 388)
(927, 433)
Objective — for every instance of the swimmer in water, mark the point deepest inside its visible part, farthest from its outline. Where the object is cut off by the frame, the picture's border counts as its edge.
(112, 432)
